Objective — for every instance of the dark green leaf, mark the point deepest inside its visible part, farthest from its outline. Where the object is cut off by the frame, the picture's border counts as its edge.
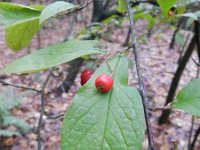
(12, 120)
(52, 56)
(166, 5)
(189, 22)
(9, 133)
(179, 38)
(188, 98)
(55, 9)
(112, 120)
(9, 99)
(7, 103)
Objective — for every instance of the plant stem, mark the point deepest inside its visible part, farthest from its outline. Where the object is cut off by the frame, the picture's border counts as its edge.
(140, 78)
(192, 122)
(195, 138)
(19, 86)
(191, 130)
(42, 109)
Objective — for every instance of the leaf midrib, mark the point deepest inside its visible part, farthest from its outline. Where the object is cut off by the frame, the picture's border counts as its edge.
(106, 120)
(109, 102)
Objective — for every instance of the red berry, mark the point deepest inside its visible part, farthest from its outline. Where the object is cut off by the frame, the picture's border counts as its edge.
(85, 76)
(104, 83)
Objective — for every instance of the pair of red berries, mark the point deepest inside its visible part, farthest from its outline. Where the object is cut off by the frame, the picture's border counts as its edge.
(103, 82)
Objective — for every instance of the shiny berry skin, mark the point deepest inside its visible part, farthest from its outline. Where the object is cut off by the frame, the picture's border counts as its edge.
(104, 83)
(85, 76)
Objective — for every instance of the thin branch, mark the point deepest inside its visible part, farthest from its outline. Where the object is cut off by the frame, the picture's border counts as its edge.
(42, 109)
(192, 122)
(77, 9)
(19, 86)
(38, 40)
(183, 47)
(195, 138)
(198, 64)
(175, 81)
(127, 38)
(82, 7)
(191, 130)
(135, 3)
(171, 45)
(196, 30)
(70, 29)
(140, 78)
(60, 116)
(198, 71)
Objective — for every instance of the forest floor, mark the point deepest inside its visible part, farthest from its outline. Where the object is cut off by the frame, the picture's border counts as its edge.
(158, 64)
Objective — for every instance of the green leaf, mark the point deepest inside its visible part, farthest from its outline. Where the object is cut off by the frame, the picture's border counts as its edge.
(121, 6)
(38, 7)
(166, 5)
(13, 14)
(7, 103)
(112, 120)
(55, 9)
(190, 15)
(52, 56)
(20, 23)
(8, 133)
(12, 120)
(191, 19)
(189, 22)
(9, 99)
(188, 98)
(146, 16)
(179, 38)
(20, 35)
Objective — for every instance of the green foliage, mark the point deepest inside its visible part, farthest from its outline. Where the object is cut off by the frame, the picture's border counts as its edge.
(8, 100)
(121, 6)
(20, 23)
(112, 120)
(55, 9)
(13, 14)
(19, 36)
(179, 38)
(190, 15)
(191, 19)
(188, 98)
(166, 5)
(12, 120)
(147, 16)
(38, 7)
(52, 56)
(9, 133)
